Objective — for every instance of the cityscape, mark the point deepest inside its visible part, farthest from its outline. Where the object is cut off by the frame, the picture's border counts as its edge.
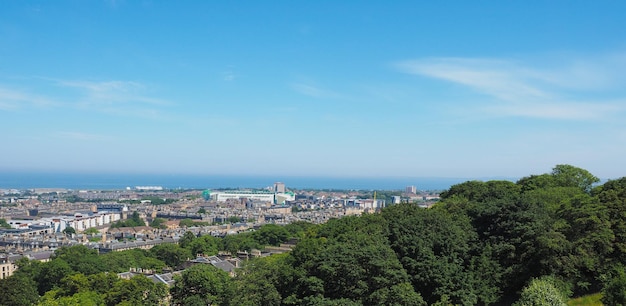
(39, 220)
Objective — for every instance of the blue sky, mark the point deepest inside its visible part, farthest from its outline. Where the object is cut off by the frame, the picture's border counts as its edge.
(318, 88)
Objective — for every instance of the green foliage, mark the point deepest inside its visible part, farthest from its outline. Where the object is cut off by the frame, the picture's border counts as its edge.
(18, 290)
(240, 242)
(433, 249)
(570, 176)
(73, 198)
(202, 285)
(136, 258)
(270, 234)
(158, 223)
(135, 220)
(69, 230)
(259, 282)
(139, 290)
(614, 291)
(185, 241)
(4, 224)
(91, 231)
(300, 229)
(541, 292)
(233, 219)
(207, 245)
(348, 261)
(51, 274)
(81, 259)
(188, 222)
(87, 298)
(612, 195)
(172, 254)
(587, 300)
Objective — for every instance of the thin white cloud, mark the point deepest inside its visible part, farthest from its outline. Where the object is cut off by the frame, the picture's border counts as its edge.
(229, 76)
(572, 111)
(110, 92)
(12, 99)
(315, 92)
(81, 136)
(119, 98)
(522, 90)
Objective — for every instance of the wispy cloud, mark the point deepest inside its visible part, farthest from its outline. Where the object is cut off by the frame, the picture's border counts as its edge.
(523, 90)
(12, 99)
(81, 136)
(229, 76)
(119, 98)
(111, 92)
(315, 91)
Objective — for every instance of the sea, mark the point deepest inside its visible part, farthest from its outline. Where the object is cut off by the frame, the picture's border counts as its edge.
(107, 181)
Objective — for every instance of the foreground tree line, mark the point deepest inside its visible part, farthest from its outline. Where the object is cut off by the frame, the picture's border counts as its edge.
(537, 241)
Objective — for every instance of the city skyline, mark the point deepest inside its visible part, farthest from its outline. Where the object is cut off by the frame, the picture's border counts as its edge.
(350, 89)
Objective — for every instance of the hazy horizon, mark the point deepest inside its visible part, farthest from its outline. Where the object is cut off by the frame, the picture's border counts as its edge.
(98, 181)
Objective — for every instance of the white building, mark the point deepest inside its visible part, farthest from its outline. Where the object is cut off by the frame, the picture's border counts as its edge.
(80, 221)
(255, 195)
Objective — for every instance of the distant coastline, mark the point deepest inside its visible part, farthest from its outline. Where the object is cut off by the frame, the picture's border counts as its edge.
(93, 181)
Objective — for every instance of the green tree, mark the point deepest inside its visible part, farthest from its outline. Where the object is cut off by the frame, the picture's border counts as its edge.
(270, 234)
(541, 292)
(103, 282)
(299, 229)
(91, 231)
(234, 219)
(135, 220)
(81, 259)
(18, 290)
(186, 240)
(570, 176)
(255, 284)
(139, 290)
(172, 254)
(135, 258)
(4, 224)
(612, 195)
(158, 223)
(433, 247)
(535, 182)
(85, 298)
(239, 242)
(588, 230)
(614, 291)
(207, 245)
(51, 274)
(69, 231)
(202, 284)
(397, 295)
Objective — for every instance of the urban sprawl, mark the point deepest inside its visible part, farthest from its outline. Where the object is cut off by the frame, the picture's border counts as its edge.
(39, 221)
